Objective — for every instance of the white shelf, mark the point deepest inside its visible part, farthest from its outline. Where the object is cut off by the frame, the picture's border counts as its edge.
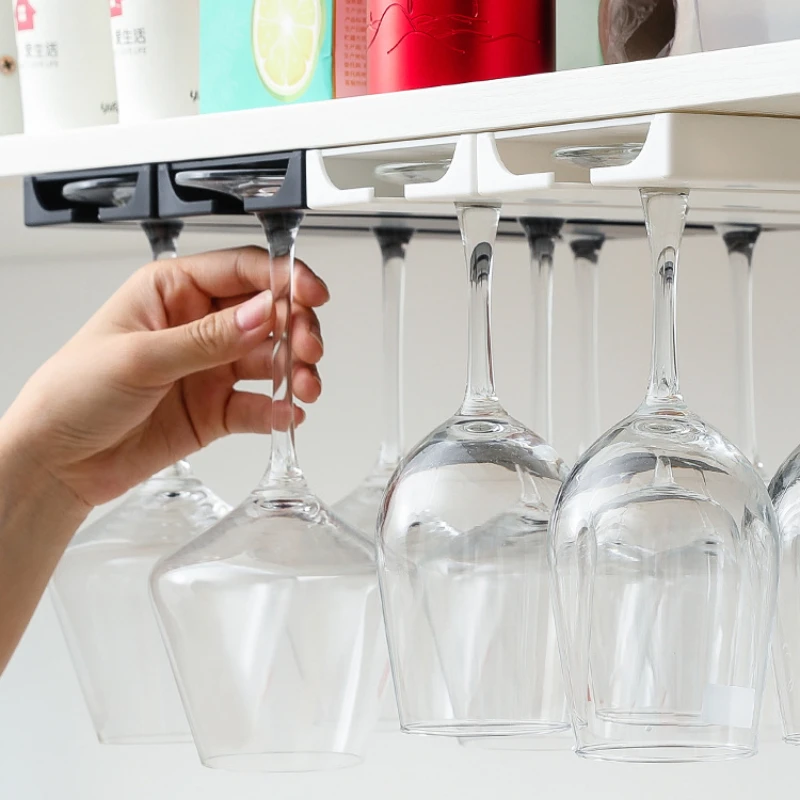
(761, 80)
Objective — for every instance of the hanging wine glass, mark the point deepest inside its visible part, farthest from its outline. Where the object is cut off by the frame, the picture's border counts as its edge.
(360, 508)
(462, 555)
(272, 618)
(663, 547)
(542, 235)
(100, 588)
(740, 242)
(586, 252)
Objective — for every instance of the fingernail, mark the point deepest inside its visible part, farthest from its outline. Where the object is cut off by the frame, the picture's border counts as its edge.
(318, 339)
(255, 312)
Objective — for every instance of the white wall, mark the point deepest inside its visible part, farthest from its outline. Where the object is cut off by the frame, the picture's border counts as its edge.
(47, 747)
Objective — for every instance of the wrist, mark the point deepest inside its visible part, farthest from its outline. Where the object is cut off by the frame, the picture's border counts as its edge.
(28, 480)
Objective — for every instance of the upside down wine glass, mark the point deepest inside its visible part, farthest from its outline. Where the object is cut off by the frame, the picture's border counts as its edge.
(542, 234)
(100, 588)
(272, 618)
(664, 555)
(360, 508)
(462, 555)
(740, 242)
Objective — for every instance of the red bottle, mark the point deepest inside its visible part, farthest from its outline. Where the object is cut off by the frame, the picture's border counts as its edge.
(418, 43)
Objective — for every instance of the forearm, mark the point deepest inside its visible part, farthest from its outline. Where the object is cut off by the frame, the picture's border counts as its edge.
(38, 517)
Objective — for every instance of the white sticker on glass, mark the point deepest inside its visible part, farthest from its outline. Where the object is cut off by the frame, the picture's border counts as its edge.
(733, 706)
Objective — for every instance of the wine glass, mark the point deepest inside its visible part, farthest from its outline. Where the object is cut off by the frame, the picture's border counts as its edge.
(586, 253)
(542, 235)
(740, 242)
(100, 588)
(360, 508)
(272, 618)
(462, 556)
(664, 553)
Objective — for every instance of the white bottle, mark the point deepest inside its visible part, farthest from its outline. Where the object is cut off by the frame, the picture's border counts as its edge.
(10, 104)
(66, 66)
(156, 54)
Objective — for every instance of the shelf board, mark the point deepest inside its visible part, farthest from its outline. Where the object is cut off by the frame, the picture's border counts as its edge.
(762, 80)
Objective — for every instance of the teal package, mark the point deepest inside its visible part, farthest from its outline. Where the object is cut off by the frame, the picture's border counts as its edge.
(229, 78)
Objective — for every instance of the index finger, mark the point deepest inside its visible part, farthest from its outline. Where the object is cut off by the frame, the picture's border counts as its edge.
(245, 270)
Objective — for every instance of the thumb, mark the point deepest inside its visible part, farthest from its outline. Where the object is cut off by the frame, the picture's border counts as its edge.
(215, 339)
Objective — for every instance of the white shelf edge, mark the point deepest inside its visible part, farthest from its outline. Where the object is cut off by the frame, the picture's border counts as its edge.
(760, 80)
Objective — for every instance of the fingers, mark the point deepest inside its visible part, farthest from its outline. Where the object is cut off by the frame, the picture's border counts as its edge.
(245, 270)
(306, 383)
(247, 412)
(219, 338)
(307, 342)
(257, 366)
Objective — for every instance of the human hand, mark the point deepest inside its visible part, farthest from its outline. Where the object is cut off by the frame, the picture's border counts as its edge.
(150, 378)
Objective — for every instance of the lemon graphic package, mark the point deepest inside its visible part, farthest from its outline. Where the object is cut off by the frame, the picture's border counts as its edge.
(256, 53)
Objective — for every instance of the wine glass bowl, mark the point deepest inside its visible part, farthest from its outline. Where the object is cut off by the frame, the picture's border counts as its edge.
(271, 620)
(100, 592)
(464, 578)
(656, 542)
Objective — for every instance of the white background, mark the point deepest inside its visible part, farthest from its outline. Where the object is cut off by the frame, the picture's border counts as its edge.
(51, 281)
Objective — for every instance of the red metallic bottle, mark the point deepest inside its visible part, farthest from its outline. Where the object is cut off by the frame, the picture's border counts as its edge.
(418, 43)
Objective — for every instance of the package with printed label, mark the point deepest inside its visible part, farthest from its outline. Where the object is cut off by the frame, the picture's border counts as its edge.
(273, 52)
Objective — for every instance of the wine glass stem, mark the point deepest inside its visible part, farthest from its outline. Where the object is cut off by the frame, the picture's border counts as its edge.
(665, 216)
(163, 237)
(741, 243)
(478, 234)
(542, 250)
(281, 231)
(587, 280)
(393, 242)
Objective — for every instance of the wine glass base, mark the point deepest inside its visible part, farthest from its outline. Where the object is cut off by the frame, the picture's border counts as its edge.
(478, 729)
(792, 738)
(282, 762)
(664, 754)
(560, 741)
(177, 738)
